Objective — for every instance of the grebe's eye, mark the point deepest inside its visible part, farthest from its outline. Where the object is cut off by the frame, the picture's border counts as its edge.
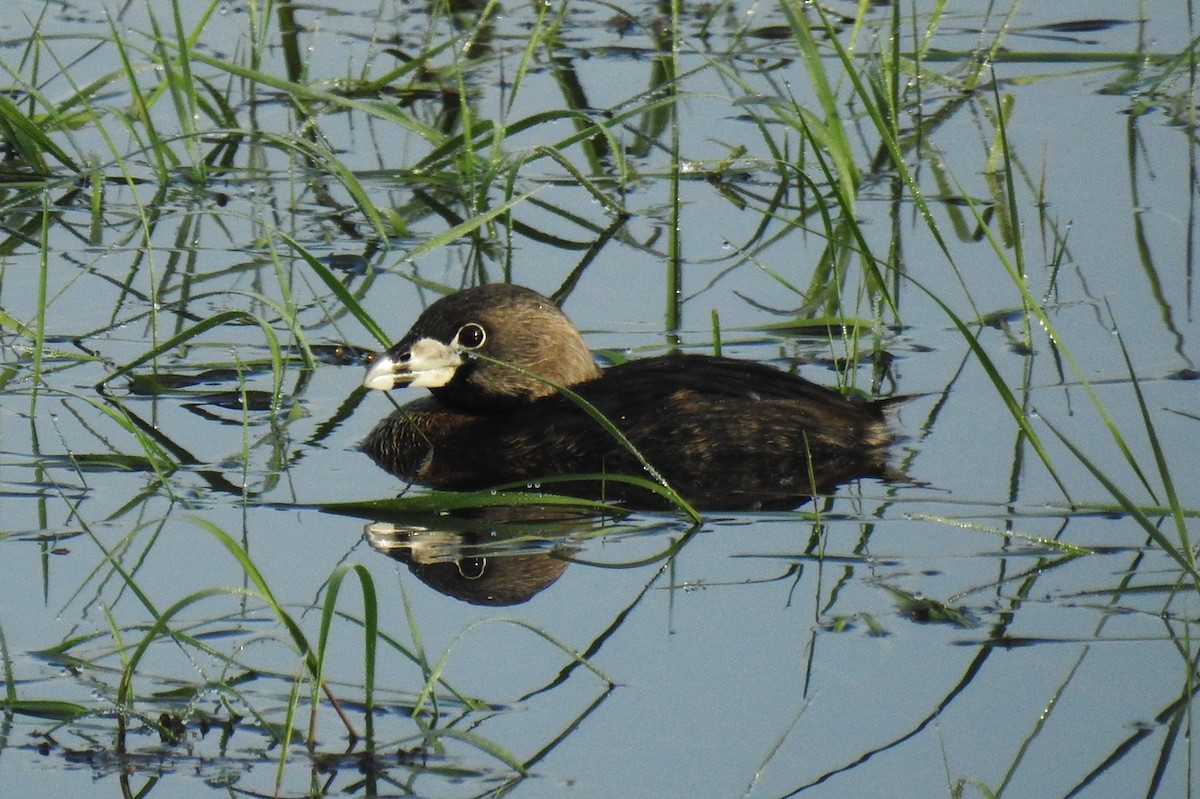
(471, 336)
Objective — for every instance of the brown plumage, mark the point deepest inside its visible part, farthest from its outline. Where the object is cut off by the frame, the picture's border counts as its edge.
(725, 433)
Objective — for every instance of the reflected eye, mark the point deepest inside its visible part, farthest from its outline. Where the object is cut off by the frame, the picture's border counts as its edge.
(471, 336)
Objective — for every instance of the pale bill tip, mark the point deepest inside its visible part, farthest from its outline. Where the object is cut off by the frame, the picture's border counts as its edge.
(381, 376)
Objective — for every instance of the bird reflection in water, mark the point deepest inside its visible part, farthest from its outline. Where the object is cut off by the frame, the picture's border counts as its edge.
(493, 556)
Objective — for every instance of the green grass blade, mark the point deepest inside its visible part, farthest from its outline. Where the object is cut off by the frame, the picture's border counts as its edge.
(997, 380)
(670, 493)
(51, 709)
(435, 501)
(192, 332)
(1184, 558)
(251, 570)
(1160, 459)
(339, 290)
(24, 135)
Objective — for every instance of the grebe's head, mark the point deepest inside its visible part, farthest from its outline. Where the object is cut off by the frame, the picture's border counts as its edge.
(464, 348)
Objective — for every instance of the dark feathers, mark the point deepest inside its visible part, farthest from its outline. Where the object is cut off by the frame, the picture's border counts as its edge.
(724, 433)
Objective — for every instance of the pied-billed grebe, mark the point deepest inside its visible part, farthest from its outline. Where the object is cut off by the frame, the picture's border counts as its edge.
(724, 433)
